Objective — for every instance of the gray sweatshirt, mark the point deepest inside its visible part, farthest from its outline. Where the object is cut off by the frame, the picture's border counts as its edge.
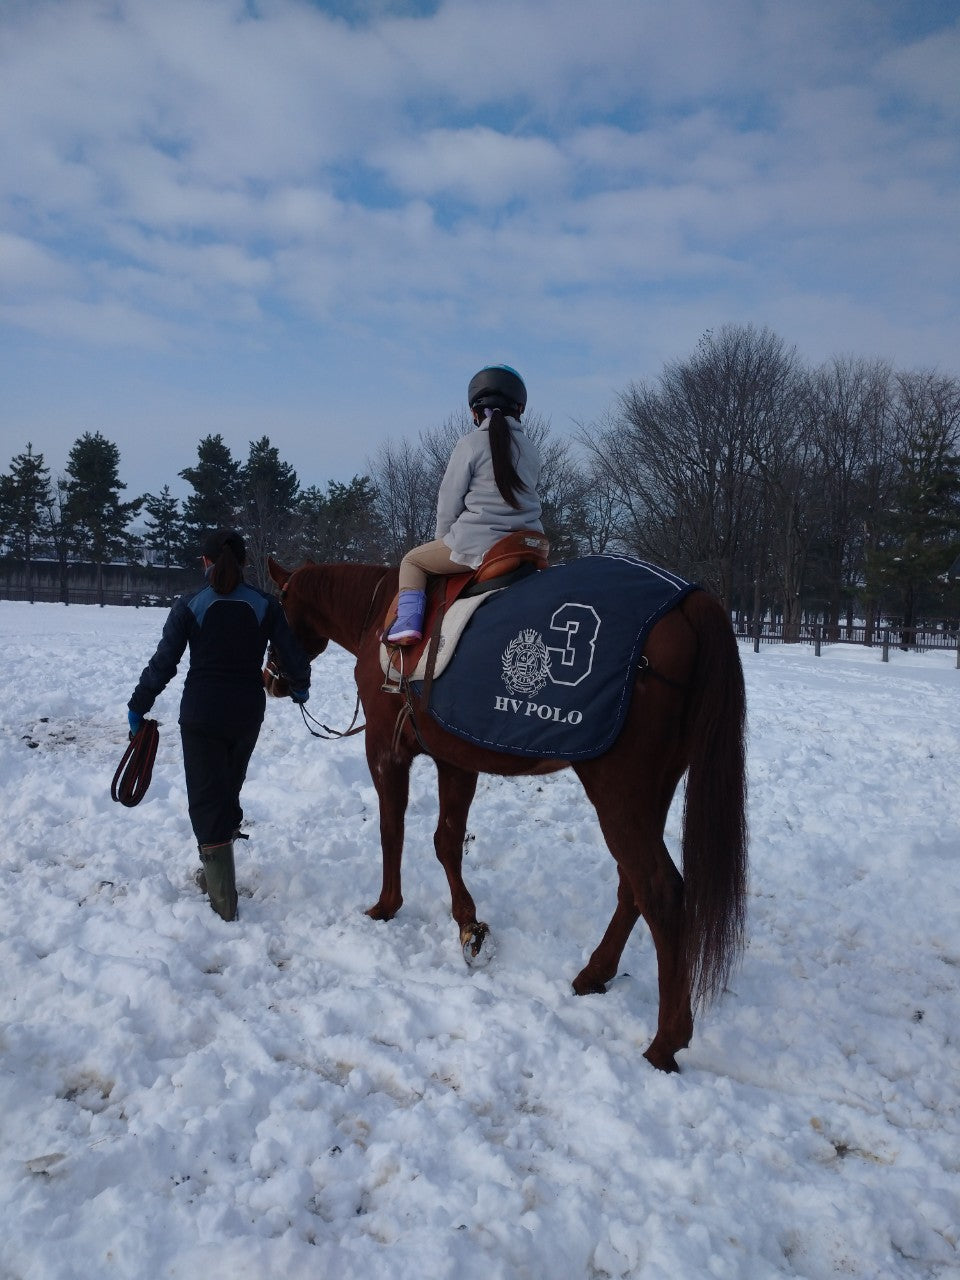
(471, 514)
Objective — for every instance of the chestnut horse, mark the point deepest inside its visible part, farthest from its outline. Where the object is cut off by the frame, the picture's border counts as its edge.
(686, 715)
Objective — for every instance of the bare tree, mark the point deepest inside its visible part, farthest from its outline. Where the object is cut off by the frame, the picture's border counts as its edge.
(686, 455)
(406, 497)
(787, 463)
(645, 491)
(596, 510)
(850, 402)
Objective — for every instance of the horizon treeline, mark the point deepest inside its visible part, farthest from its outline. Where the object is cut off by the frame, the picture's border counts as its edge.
(795, 491)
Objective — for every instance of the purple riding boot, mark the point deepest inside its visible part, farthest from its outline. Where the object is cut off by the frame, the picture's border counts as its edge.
(408, 628)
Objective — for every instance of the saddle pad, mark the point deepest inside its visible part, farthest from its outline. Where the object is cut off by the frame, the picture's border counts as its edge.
(546, 669)
(455, 618)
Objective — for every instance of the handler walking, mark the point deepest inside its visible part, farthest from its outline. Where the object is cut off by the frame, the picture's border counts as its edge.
(228, 626)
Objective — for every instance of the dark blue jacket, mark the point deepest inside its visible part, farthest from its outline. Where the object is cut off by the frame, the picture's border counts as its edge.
(228, 637)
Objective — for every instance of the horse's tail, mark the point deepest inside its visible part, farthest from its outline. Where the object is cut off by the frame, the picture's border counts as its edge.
(714, 819)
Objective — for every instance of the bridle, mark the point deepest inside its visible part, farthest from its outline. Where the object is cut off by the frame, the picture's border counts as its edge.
(322, 730)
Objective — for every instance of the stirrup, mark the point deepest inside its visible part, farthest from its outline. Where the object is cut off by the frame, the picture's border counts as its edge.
(394, 686)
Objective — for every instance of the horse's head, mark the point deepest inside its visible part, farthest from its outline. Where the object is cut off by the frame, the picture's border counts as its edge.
(295, 598)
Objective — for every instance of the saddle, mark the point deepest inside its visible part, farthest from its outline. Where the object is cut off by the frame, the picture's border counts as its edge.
(509, 560)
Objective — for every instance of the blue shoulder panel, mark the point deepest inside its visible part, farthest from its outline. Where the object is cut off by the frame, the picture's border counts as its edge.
(257, 601)
(243, 594)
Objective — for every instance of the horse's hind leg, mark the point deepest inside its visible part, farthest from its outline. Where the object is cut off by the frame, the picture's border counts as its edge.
(456, 789)
(664, 914)
(658, 890)
(633, 828)
(602, 966)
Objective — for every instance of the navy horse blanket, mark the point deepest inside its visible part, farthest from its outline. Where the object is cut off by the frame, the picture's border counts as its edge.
(546, 667)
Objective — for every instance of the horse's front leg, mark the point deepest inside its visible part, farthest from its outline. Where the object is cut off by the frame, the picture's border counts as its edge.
(391, 777)
(456, 790)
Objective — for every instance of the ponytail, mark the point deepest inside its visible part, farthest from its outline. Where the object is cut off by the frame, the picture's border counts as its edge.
(226, 549)
(226, 574)
(501, 451)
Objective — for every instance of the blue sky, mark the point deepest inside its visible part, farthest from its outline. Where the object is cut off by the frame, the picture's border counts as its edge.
(316, 221)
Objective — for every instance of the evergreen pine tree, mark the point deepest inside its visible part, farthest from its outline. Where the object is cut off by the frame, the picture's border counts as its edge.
(95, 517)
(270, 492)
(165, 532)
(216, 493)
(921, 532)
(342, 525)
(7, 508)
(28, 498)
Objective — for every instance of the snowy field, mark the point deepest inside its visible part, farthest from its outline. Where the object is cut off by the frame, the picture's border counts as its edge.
(309, 1094)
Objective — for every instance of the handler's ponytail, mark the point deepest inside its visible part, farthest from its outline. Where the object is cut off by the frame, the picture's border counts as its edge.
(226, 549)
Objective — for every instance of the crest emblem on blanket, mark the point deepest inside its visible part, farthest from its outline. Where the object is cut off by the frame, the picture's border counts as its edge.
(526, 663)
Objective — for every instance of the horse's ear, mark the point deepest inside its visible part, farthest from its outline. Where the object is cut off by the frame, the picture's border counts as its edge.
(277, 572)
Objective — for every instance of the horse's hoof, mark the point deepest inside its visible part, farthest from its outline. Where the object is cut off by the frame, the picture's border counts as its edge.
(477, 945)
(662, 1061)
(585, 986)
(379, 912)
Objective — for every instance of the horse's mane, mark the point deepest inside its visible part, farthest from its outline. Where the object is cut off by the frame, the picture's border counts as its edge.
(341, 576)
(346, 591)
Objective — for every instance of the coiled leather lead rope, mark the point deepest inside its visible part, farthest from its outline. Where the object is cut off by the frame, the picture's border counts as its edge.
(135, 769)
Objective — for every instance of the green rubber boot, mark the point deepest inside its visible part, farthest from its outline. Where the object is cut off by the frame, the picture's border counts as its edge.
(218, 878)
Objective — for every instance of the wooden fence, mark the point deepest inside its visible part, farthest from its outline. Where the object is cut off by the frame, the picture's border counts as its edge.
(84, 595)
(886, 637)
(80, 582)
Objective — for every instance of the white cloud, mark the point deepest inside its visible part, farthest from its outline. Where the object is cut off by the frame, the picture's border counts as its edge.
(27, 265)
(538, 175)
(478, 165)
(929, 71)
(94, 323)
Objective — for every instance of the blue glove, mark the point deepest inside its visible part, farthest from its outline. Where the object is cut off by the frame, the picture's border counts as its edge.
(299, 696)
(135, 720)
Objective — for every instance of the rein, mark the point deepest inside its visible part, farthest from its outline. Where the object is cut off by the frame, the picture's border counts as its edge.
(327, 733)
(132, 778)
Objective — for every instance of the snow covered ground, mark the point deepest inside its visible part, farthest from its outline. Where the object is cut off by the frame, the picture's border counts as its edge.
(307, 1093)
